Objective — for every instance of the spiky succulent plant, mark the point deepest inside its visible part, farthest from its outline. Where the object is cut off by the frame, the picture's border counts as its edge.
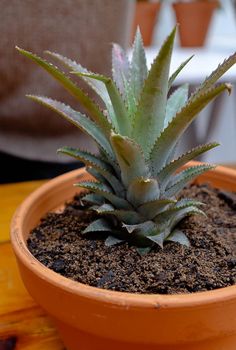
(137, 131)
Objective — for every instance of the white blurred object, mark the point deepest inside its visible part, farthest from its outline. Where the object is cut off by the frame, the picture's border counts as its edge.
(205, 60)
(223, 25)
(220, 43)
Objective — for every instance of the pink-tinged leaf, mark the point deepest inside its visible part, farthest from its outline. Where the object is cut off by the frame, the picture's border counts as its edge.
(148, 121)
(120, 67)
(71, 87)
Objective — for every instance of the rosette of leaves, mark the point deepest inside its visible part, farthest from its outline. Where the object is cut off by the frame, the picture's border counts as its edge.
(137, 130)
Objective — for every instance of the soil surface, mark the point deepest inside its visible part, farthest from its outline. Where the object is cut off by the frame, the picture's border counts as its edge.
(209, 263)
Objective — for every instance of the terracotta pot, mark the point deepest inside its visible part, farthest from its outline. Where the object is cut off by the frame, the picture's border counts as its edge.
(90, 318)
(194, 19)
(146, 14)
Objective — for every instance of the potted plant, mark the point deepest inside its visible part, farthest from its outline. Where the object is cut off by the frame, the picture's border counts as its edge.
(146, 14)
(194, 17)
(133, 210)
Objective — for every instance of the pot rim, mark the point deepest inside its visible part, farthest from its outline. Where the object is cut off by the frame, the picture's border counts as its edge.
(124, 299)
(202, 3)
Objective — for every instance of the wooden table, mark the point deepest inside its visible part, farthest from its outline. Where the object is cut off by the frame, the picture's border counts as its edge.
(23, 324)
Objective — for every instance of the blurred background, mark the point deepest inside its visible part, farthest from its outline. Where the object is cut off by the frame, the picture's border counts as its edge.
(84, 30)
(218, 121)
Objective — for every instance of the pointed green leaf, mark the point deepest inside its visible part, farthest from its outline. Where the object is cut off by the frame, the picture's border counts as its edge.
(175, 102)
(149, 119)
(96, 163)
(87, 158)
(104, 208)
(96, 85)
(157, 237)
(187, 202)
(166, 215)
(165, 174)
(180, 180)
(146, 231)
(138, 69)
(120, 67)
(177, 206)
(100, 225)
(93, 198)
(178, 70)
(101, 189)
(179, 237)
(181, 214)
(170, 136)
(130, 100)
(129, 217)
(111, 240)
(151, 209)
(97, 176)
(143, 250)
(142, 190)
(78, 119)
(144, 228)
(172, 154)
(70, 86)
(112, 162)
(171, 217)
(216, 74)
(121, 121)
(130, 158)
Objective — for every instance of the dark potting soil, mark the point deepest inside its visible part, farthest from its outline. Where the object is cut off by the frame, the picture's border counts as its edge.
(209, 263)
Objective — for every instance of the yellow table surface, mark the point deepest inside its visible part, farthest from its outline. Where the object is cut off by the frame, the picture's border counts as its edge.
(23, 324)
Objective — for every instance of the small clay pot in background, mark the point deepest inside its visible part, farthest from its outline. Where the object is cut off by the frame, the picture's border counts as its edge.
(194, 19)
(146, 14)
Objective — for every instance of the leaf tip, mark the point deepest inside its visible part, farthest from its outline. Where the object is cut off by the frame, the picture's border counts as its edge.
(229, 87)
(31, 97)
(61, 150)
(174, 30)
(115, 137)
(21, 51)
